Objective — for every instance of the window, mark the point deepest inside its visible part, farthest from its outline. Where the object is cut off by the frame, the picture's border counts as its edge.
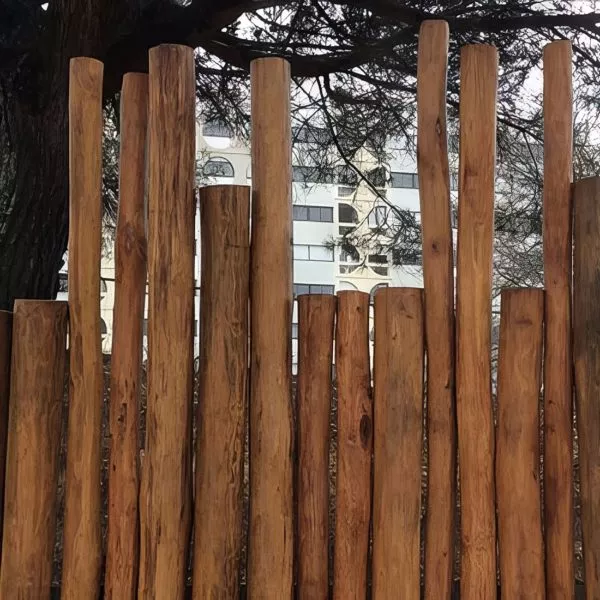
(347, 176)
(404, 180)
(378, 217)
(378, 259)
(294, 331)
(344, 191)
(345, 230)
(349, 253)
(304, 174)
(407, 256)
(216, 129)
(347, 214)
(377, 177)
(320, 214)
(310, 252)
(218, 167)
(312, 288)
(63, 283)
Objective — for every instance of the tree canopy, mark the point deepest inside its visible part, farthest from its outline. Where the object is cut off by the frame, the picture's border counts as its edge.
(354, 68)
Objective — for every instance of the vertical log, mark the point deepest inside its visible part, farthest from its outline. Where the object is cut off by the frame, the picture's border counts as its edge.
(558, 402)
(479, 68)
(125, 379)
(316, 316)
(5, 351)
(518, 444)
(586, 356)
(434, 193)
(355, 441)
(82, 537)
(398, 440)
(165, 489)
(271, 426)
(37, 388)
(225, 227)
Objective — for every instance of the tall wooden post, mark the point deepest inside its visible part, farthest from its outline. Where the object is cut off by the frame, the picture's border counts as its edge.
(271, 427)
(165, 492)
(434, 193)
(37, 389)
(122, 546)
(586, 356)
(354, 445)
(518, 445)
(398, 440)
(82, 537)
(316, 316)
(478, 71)
(558, 385)
(223, 403)
(5, 351)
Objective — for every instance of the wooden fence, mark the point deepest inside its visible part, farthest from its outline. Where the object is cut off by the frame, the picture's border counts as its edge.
(164, 498)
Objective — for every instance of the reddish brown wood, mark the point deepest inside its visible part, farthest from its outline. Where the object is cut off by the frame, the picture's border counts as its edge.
(122, 544)
(398, 441)
(434, 193)
(354, 446)
(518, 445)
(165, 488)
(558, 385)
(223, 402)
(37, 390)
(5, 351)
(316, 316)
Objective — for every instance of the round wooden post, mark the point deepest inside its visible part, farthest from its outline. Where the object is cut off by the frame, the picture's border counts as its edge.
(586, 356)
(479, 72)
(558, 378)
(37, 389)
(165, 493)
(271, 427)
(82, 537)
(5, 351)
(122, 544)
(398, 440)
(225, 226)
(518, 445)
(434, 194)
(316, 315)
(355, 442)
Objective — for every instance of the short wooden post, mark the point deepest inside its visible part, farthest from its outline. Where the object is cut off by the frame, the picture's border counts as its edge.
(82, 537)
(223, 403)
(316, 316)
(37, 390)
(586, 355)
(5, 351)
(354, 445)
(558, 386)
(518, 445)
(271, 427)
(398, 440)
(165, 489)
(434, 193)
(122, 545)
(479, 71)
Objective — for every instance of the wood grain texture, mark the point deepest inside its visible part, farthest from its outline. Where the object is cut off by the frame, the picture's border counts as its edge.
(316, 316)
(558, 390)
(122, 544)
(478, 71)
(518, 444)
(438, 274)
(5, 351)
(37, 389)
(271, 542)
(355, 442)
(82, 538)
(398, 443)
(586, 356)
(223, 402)
(165, 489)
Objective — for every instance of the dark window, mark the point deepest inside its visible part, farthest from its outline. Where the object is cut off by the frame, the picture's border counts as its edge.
(304, 174)
(378, 259)
(346, 230)
(63, 282)
(349, 254)
(347, 214)
(347, 175)
(312, 288)
(218, 167)
(216, 129)
(407, 256)
(320, 214)
(404, 180)
(377, 177)
(103, 328)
